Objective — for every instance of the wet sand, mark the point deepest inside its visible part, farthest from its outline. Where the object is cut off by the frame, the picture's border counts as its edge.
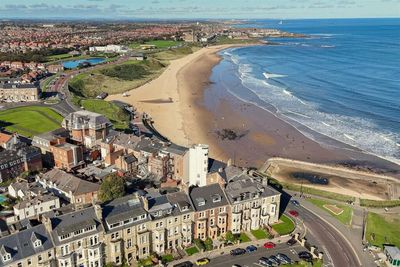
(201, 106)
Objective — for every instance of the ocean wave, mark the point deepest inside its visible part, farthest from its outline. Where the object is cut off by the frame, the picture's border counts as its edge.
(268, 75)
(327, 46)
(355, 131)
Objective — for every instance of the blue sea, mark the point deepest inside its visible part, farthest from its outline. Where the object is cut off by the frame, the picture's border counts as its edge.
(342, 80)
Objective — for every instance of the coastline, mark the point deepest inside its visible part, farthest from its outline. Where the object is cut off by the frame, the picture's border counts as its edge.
(198, 107)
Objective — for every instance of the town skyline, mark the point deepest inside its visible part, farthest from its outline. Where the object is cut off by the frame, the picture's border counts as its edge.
(191, 9)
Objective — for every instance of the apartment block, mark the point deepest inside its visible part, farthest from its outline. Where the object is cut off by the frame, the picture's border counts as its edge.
(211, 211)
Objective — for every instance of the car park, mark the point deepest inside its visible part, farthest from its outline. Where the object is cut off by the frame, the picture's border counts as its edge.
(251, 248)
(238, 251)
(202, 261)
(269, 245)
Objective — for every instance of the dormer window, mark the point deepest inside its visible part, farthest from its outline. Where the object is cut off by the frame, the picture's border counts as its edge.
(7, 257)
(185, 208)
(37, 243)
(5, 253)
(216, 198)
(201, 201)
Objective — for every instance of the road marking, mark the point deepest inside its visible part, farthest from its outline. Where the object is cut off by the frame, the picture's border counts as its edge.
(340, 233)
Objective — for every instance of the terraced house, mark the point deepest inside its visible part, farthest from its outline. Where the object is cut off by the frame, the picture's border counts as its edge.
(253, 204)
(137, 225)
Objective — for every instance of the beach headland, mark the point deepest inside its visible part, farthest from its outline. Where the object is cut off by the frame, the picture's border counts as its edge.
(190, 103)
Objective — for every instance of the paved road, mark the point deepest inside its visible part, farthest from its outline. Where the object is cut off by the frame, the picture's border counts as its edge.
(251, 259)
(335, 246)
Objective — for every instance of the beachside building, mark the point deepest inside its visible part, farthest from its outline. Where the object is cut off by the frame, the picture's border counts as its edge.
(126, 230)
(87, 127)
(253, 203)
(67, 156)
(196, 165)
(109, 49)
(211, 211)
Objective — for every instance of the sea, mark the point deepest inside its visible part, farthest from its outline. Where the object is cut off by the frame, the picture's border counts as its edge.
(341, 81)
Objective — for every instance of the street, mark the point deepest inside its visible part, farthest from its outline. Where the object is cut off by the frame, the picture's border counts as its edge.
(251, 259)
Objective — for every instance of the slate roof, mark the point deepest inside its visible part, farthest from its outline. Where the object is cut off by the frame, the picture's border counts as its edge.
(20, 244)
(121, 209)
(181, 203)
(74, 221)
(69, 183)
(206, 194)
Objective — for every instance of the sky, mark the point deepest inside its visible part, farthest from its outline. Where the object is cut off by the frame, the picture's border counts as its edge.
(197, 9)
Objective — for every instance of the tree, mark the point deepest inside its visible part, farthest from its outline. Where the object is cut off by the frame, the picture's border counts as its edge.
(113, 187)
(208, 243)
(230, 237)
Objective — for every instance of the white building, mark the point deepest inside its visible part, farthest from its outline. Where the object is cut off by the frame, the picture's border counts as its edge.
(109, 49)
(33, 207)
(196, 165)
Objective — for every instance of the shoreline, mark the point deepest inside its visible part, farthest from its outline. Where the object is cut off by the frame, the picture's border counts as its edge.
(188, 118)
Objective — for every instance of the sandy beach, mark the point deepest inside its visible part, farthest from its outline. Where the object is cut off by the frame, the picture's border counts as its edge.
(189, 108)
(170, 98)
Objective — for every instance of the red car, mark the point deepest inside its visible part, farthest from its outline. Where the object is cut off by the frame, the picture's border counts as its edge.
(269, 245)
(293, 213)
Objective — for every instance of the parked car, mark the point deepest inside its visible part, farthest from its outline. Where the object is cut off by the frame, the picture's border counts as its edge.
(238, 251)
(291, 241)
(203, 261)
(251, 248)
(294, 213)
(275, 260)
(284, 258)
(265, 262)
(305, 255)
(295, 202)
(184, 264)
(269, 245)
(236, 265)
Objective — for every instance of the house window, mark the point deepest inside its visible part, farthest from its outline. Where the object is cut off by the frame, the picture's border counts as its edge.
(39, 258)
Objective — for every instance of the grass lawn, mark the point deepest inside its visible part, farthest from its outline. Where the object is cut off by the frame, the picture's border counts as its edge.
(344, 217)
(383, 229)
(158, 43)
(167, 258)
(113, 112)
(30, 121)
(318, 192)
(259, 234)
(116, 79)
(379, 203)
(192, 250)
(285, 226)
(244, 238)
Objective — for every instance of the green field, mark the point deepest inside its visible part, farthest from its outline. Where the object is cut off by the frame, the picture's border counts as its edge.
(158, 43)
(176, 53)
(115, 79)
(379, 203)
(285, 227)
(118, 117)
(383, 229)
(344, 217)
(30, 121)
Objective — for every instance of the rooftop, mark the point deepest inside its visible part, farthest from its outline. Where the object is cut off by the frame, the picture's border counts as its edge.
(208, 197)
